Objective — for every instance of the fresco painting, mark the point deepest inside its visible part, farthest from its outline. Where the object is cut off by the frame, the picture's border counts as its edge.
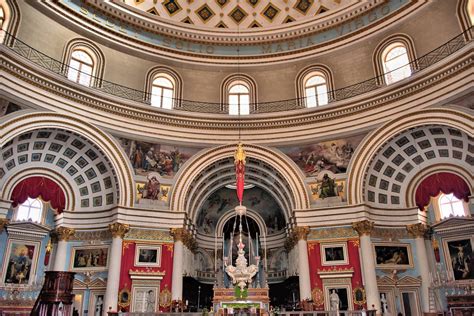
(224, 199)
(333, 156)
(151, 157)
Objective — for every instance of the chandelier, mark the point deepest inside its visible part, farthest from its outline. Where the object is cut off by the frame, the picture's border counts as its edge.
(242, 273)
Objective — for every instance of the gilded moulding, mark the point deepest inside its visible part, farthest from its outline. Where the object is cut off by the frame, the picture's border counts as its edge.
(119, 230)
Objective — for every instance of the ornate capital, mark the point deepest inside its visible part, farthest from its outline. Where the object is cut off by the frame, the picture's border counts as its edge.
(119, 229)
(417, 230)
(301, 233)
(63, 233)
(178, 234)
(3, 222)
(364, 227)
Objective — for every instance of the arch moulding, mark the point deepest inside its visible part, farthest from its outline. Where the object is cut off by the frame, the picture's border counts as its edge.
(278, 160)
(15, 126)
(452, 116)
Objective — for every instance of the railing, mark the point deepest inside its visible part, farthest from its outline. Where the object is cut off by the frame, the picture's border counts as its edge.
(60, 68)
(287, 313)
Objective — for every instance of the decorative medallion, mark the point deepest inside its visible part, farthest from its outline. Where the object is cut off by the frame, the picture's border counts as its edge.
(238, 14)
(322, 9)
(270, 12)
(303, 5)
(153, 11)
(222, 3)
(172, 6)
(253, 3)
(205, 13)
(165, 297)
(255, 24)
(288, 19)
(317, 296)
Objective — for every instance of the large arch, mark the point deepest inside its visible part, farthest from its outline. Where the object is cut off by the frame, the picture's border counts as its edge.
(12, 126)
(277, 160)
(452, 116)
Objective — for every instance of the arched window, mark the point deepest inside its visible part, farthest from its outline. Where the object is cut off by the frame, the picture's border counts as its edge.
(239, 99)
(316, 90)
(81, 67)
(162, 92)
(470, 11)
(396, 64)
(30, 210)
(449, 205)
(2, 17)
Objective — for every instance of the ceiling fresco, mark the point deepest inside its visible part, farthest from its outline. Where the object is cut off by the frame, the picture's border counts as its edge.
(224, 200)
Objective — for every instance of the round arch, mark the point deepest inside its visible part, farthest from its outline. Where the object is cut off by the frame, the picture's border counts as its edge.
(250, 213)
(278, 160)
(453, 116)
(25, 122)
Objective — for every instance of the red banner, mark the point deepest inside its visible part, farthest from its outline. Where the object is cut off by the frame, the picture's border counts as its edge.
(34, 187)
(240, 174)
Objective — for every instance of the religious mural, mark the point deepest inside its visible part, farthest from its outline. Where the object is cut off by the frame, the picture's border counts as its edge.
(224, 199)
(151, 157)
(333, 156)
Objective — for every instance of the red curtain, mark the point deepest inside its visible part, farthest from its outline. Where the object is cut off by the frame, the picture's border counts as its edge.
(34, 187)
(444, 182)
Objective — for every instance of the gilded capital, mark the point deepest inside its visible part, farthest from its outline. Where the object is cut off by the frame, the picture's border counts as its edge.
(302, 232)
(64, 233)
(119, 229)
(417, 230)
(179, 234)
(364, 227)
(3, 222)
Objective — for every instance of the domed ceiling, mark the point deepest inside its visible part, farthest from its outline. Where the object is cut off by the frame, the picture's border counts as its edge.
(242, 14)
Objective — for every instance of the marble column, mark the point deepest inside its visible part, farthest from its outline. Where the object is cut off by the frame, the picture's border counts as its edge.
(178, 258)
(364, 228)
(418, 232)
(303, 263)
(118, 231)
(62, 234)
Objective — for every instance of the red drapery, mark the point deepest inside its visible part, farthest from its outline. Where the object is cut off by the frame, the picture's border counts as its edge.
(444, 182)
(34, 187)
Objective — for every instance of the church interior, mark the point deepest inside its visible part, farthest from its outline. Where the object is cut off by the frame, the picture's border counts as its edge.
(237, 157)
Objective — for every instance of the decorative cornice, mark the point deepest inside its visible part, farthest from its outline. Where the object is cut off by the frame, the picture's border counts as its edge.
(303, 118)
(92, 235)
(364, 227)
(417, 230)
(332, 233)
(63, 233)
(3, 222)
(149, 234)
(119, 229)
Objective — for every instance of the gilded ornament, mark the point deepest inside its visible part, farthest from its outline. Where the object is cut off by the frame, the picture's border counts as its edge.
(63, 233)
(3, 222)
(364, 227)
(119, 229)
(239, 154)
(178, 234)
(317, 296)
(148, 234)
(301, 233)
(359, 297)
(417, 230)
(165, 297)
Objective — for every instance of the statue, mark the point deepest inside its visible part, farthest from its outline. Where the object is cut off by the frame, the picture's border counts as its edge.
(328, 187)
(334, 301)
(383, 301)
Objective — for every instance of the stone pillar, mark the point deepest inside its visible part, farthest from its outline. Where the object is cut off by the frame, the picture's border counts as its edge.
(303, 263)
(418, 232)
(62, 234)
(118, 231)
(364, 228)
(178, 258)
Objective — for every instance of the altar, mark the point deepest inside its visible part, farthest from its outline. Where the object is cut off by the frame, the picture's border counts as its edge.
(255, 300)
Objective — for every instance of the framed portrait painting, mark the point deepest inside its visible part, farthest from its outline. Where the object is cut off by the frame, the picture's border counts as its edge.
(334, 254)
(148, 255)
(87, 258)
(460, 258)
(391, 255)
(20, 262)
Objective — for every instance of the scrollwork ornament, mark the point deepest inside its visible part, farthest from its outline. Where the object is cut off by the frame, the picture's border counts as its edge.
(417, 230)
(3, 222)
(64, 233)
(364, 227)
(119, 229)
(302, 233)
(317, 296)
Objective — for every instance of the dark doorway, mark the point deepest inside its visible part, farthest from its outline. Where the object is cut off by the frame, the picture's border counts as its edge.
(192, 290)
(285, 295)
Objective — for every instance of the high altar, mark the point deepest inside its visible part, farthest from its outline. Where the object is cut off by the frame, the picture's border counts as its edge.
(255, 298)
